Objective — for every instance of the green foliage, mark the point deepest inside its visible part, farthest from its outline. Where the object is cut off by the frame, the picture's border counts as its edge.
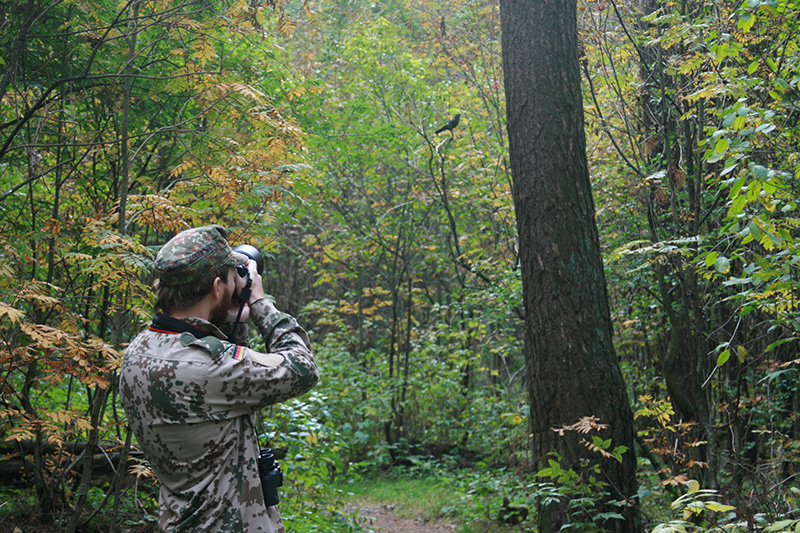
(137, 513)
(700, 510)
(399, 246)
(697, 206)
(579, 486)
(113, 134)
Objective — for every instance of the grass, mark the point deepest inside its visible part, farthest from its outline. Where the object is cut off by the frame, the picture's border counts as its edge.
(428, 498)
(418, 497)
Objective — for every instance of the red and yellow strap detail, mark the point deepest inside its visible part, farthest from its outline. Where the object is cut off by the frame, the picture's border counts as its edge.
(157, 330)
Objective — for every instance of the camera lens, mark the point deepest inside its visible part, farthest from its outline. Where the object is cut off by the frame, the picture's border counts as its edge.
(252, 253)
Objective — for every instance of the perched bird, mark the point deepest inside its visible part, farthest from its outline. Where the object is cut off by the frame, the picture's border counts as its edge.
(452, 123)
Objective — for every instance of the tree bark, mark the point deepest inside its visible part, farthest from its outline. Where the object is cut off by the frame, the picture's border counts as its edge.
(572, 367)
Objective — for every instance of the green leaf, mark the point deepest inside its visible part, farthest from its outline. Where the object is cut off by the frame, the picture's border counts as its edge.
(729, 167)
(755, 230)
(737, 186)
(779, 525)
(719, 507)
(782, 84)
(722, 146)
(760, 172)
(721, 52)
(737, 206)
(723, 357)
(728, 120)
(746, 22)
(608, 516)
(722, 264)
(772, 64)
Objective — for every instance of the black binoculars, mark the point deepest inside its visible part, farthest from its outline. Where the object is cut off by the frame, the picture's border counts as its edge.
(271, 476)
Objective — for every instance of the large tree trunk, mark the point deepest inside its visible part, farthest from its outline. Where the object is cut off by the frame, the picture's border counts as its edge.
(573, 371)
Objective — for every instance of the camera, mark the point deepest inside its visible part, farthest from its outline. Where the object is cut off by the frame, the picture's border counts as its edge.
(271, 476)
(252, 253)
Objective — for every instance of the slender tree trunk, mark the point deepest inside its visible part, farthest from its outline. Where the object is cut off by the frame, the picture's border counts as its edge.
(98, 406)
(573, 371)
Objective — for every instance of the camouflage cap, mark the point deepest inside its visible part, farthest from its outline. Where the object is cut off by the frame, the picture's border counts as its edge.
(193, 254)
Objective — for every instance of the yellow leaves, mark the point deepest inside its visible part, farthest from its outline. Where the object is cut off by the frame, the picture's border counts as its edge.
(70, 418)
(239, 7)
(514, 418)
(583, 426)
(286, 25)
(220, 175)
(178, 171)
(691, 62)
(296, 92)
(20, 433)
(142, 471)
(62, 351)
(594, 447)
(660, 410)
(347, 308)
(221, 90)
(692, 485)
(696, 501)
(34, 292)
(325, 276)
(6, 271)
(43, 336)
(13, 314)
(708, 92)
(674, 481)
(598, 445)
(54, 425)
(112, 358)
(52, 226)
(156, 211)
(374, 295)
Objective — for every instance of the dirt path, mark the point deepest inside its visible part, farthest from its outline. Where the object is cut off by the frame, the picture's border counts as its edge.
(382, 519)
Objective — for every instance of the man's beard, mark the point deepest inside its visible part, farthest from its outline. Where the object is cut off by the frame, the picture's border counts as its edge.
(219, 313)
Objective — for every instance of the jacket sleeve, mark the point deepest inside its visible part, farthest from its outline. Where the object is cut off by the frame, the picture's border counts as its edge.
(243, 379)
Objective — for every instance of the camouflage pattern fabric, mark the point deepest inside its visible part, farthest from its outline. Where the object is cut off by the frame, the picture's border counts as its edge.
(191, 404)
(193, 254)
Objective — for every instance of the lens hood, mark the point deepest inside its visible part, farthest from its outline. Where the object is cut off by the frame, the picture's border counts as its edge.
(252, 253)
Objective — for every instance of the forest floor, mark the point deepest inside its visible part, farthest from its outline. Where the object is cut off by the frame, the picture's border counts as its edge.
(381, 518)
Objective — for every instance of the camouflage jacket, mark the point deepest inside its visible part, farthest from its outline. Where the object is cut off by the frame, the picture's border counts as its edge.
(191, 403)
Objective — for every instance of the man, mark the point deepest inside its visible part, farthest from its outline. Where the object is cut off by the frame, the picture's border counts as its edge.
(191, 392)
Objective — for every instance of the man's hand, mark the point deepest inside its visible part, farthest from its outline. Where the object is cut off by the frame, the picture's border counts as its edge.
(257, 287)
(256, 293)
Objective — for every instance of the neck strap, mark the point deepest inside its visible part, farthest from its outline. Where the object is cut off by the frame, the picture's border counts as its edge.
(167, 324)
